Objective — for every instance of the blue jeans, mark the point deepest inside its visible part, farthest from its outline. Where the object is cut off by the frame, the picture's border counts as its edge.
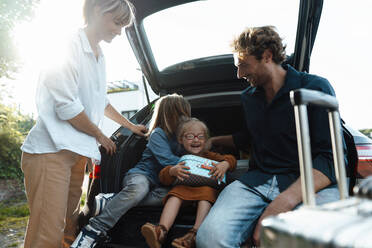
(137, 190)
(233, 217)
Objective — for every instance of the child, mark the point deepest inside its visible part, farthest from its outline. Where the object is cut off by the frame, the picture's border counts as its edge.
(192, 134)
(161, 150)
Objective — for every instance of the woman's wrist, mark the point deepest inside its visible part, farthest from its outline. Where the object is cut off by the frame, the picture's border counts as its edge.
(130, 126)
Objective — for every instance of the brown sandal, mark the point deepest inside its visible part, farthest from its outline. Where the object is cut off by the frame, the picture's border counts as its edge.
(186, 241)
(154, 234)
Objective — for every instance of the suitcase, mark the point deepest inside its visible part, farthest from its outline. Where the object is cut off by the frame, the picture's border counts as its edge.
(344, 223)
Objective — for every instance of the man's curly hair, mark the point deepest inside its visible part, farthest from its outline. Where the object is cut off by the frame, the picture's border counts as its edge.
(254, 41)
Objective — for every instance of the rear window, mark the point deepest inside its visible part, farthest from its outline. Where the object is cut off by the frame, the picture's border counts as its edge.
(206, 28)
(342, 54)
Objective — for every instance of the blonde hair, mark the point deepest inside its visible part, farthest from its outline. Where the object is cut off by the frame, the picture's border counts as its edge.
(168, 112)
(123, 10)
(187, 122)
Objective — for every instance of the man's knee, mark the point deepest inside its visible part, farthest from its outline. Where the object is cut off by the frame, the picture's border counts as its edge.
(206, 235)
(327, 195)
(211, 233)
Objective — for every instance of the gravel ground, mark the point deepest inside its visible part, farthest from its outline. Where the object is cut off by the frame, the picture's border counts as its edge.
(13, 237)
(12, 229)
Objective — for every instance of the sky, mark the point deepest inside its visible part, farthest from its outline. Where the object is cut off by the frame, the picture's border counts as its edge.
(341, 52)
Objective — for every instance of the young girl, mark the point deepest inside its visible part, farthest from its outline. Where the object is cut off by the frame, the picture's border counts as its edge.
(192, 134)
(162, 150)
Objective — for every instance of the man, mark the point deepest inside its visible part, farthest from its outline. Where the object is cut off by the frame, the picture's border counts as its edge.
(71, 102)
(272, 184)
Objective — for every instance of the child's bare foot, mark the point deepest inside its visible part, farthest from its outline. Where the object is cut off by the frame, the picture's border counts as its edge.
(154, 234)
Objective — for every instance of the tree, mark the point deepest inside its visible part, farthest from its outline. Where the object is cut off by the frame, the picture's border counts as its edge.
(11, 13)
(13, 128)
(367, 132)
(13, 125)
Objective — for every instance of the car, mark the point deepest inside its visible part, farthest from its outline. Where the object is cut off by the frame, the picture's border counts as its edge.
(210, 84)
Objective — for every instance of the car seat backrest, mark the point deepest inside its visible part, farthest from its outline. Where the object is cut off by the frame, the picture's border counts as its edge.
(113, 168)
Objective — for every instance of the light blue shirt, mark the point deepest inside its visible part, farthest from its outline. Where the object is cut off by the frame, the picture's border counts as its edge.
(160, 152)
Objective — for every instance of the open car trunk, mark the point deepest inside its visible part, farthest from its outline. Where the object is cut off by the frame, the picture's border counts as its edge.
(217, 111)
(222, 112)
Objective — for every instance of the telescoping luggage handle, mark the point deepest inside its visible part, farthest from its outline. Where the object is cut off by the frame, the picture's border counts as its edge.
(300, 98)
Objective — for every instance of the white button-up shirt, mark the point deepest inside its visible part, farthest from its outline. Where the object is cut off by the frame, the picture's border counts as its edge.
(77, 84)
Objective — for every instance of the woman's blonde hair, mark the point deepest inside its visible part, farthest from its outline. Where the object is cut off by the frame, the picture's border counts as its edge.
(122, 9)
(168, 112)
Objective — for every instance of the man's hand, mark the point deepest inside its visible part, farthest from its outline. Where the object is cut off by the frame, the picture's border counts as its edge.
(283, 203)
(139, 129)
(107, 143)
(208, 144)
(180, 171)
(219, 170)
(289, 199)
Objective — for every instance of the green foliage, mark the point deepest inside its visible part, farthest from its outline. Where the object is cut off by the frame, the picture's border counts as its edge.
(13, 125)
(11, 13)
(83, 199)
(13, 128)
(14, 214)
(366, 132)
(13, 211)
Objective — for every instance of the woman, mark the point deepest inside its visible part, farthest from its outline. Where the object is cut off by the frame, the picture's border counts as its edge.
(71, 103)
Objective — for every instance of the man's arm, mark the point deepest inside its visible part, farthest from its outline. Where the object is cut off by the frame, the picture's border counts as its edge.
(82, 123)
(226, 140)
(114, 115)
(289, 199)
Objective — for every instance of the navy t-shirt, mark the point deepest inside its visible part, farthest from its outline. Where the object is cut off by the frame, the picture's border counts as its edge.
(271, 133)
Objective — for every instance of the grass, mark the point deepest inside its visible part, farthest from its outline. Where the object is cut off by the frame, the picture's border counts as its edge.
(83, 199)
(14, 215)
(15, 208)
(13, 220)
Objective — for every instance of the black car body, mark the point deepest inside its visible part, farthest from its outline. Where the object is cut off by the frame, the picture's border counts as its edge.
(211, 86)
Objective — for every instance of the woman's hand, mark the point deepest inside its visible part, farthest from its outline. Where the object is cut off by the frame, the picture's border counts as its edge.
(219, 170)
(139, 129)
(180, 171)
(107, 143)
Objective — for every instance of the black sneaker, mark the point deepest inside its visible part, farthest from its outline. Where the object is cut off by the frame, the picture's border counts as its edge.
(87, 238)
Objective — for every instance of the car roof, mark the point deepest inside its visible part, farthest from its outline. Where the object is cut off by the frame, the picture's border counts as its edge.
(197, 75)
(144, 8)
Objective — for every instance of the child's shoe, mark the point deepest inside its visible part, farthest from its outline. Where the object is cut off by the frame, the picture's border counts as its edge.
(100, 202)
(155, 235)
(186, 241)
(87, 238)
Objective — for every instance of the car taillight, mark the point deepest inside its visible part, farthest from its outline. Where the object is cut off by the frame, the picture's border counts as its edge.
(364, 167)
(96, 173)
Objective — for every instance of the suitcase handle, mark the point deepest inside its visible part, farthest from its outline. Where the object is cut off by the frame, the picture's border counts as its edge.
(314, 97)
(300, 98)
